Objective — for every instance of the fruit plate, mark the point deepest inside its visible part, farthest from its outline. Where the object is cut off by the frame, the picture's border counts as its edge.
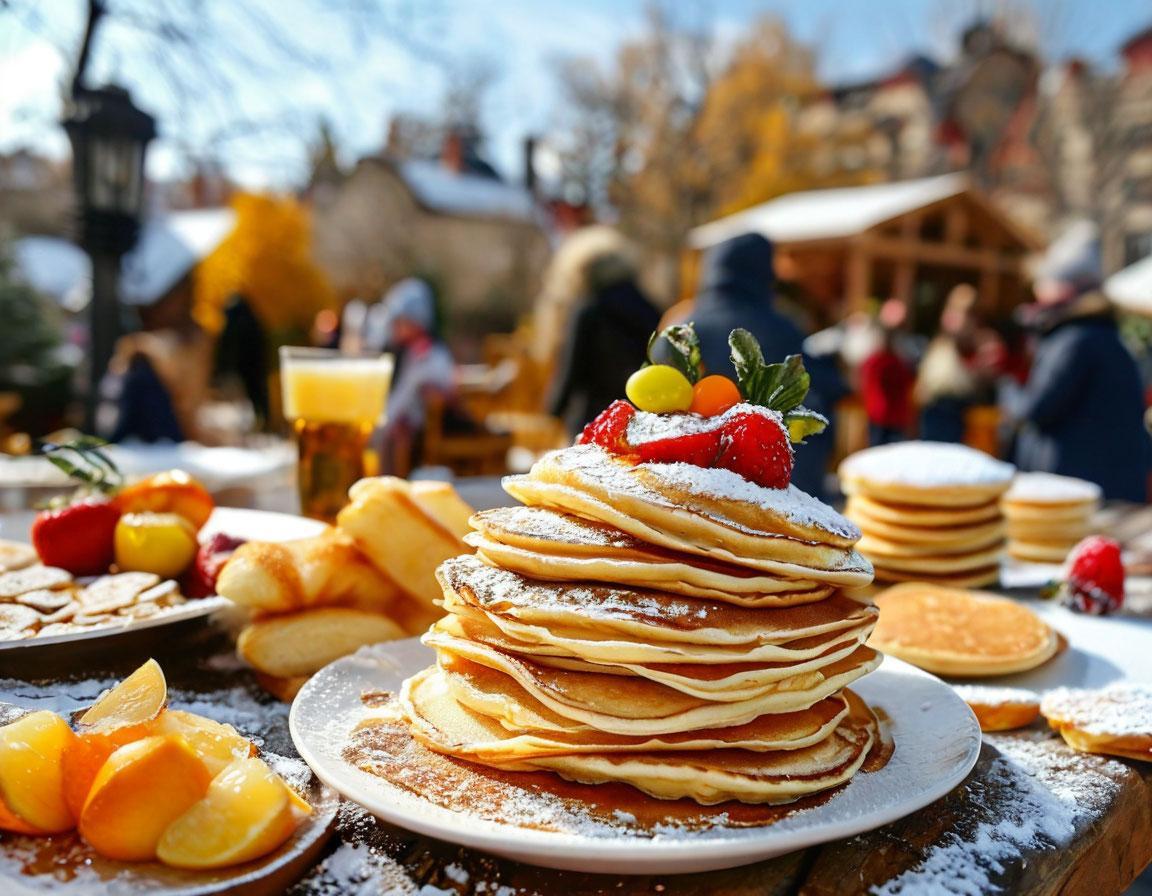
(936, 736)
(31, 866)
(247, 524)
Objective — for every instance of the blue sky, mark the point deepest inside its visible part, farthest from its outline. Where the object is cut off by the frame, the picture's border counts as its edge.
(365, 80)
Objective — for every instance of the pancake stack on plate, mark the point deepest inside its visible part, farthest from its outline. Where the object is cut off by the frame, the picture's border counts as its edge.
(675, 628)
(1048, 515)
(929, 511)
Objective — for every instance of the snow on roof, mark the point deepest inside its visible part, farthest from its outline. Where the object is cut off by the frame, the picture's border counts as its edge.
(171, 245)
(55, 267)
(1131, 288)
(827, 214)
(443, 190)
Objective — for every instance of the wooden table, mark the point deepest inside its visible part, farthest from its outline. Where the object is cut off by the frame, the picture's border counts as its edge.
(1034, 817)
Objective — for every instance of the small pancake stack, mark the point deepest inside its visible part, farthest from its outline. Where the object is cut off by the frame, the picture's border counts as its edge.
(673, 627)
(1048, 515)
(929, 511)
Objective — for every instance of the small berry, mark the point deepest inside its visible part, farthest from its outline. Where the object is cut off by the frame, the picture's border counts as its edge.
(659, 389)
(714, 395)
(757, 447)
(1094, 576)
(610, 428)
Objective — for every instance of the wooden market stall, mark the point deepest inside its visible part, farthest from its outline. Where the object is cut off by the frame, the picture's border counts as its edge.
(913, 240)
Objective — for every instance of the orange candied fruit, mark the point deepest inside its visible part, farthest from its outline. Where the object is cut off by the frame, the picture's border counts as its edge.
(714, 395)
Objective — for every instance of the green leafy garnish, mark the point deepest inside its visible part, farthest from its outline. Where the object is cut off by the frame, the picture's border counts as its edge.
(685, 344)
(91, 467)
(780, 387)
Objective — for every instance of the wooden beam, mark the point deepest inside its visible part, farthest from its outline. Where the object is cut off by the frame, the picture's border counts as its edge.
(904, 281)
(939, 253)
(857, 279)
(955, 225)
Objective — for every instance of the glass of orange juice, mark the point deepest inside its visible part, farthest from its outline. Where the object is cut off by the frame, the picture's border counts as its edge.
(333, 402)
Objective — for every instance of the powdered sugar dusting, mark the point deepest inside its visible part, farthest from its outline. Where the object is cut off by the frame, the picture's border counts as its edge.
(1048, 488)
(645, 427)
(927, 465)
(985, 695)
(551, 525)
(1121, 710)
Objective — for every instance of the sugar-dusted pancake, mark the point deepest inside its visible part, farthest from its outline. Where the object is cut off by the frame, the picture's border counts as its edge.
(862, 509)
(939, 564)
(974, 578)
(547, 544)
(445, 724)
(651, 616)
(1000, 709)
(937, 474)
(1116, 720)
(506, 634)
(952, 631)
(636, 706)
(1048, 490)
(912, 542)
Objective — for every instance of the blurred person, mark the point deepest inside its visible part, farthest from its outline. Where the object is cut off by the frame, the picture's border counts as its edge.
(424, 369)
(1081, 412)
(242, 354)
(608, 329)
(352, 321)
(886, 381)
(736, 289)
(946, 385)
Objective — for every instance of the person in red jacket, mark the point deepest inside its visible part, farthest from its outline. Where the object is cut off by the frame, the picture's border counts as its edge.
(886, 382)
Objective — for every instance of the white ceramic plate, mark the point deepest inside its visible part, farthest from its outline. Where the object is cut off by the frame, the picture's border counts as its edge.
(248, 524)
(937, 743)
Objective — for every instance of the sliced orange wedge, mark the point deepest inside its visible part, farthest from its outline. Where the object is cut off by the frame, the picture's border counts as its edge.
(137, 700)
(31, 776)
(214, 742)
(138, 792)
(247, 812)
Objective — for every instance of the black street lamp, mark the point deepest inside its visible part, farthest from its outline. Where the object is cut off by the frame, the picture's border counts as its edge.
(109, 137)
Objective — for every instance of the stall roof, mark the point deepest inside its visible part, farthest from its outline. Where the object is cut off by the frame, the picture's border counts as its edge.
(443, 190)
(1131, 288)
(829, 214)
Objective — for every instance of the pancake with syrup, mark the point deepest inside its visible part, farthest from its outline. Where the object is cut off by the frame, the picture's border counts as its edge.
(952, 631)
(714, 513)
(548, 544)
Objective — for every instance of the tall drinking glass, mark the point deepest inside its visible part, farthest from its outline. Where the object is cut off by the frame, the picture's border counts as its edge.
(333, 402)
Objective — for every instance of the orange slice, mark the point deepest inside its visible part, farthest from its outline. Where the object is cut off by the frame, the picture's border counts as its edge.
(137, 794)
(247, 813)
(137, 700)
(215, 743)
(31, 774)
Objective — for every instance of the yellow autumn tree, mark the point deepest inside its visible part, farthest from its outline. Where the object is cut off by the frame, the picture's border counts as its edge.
(267, 259)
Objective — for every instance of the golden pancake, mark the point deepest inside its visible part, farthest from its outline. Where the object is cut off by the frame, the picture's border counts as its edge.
(953, 631)
(438, 720)
(1048, 490)
(962, 541)
(861, 508)
(975, 578)
(940, 564)
(1000, 709)
(1030, 552)
(630, 705)
(930, 537)
(1116, 720)
(937, 474)
(642, 615)
(1067, 532)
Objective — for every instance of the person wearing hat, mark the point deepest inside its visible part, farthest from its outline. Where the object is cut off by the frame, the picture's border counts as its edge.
(1081, 412)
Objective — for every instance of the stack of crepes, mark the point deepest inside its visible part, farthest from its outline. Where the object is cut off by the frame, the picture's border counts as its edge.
(672, 627)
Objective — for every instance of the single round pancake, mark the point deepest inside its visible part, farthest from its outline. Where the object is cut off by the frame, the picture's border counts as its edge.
(911, 543)
(1000, 709)
(505, 634)
(1116, 720)
(16, 555)
(648, 616)
(976, 578)
(1030, 552)
(1050, 490)
(940, 564)
(862, 508)
(548, 544)
(1051, 531)
(943, 537)
(938, 474)
(442, 723)
(952, 631)
(635, 706)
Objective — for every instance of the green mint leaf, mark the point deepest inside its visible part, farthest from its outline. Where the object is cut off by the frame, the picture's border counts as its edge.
(685, 344)
(91, 467)
(746, 358)
(793, 385)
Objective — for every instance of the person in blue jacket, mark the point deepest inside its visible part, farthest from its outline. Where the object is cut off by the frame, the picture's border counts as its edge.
(1081, 412)
(736, 289)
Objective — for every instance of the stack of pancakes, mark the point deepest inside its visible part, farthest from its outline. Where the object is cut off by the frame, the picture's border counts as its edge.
(674, 628)
(929, 511)
(1048, 515)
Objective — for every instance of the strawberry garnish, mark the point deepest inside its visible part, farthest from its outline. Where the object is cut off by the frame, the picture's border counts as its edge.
(699, 449)
(1094, 576)
(756, 446)
(610, 429)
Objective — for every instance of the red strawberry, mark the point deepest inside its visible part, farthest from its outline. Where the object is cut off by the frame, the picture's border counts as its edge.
(610, 429)
(698, 448)
(200, 579)
(1094, 576)
(757, 447)
(78, 537)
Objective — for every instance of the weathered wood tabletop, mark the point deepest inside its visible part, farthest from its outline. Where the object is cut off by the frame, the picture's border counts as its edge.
(1033, 817)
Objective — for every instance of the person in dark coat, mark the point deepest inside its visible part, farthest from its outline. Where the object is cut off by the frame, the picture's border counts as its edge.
(1082, 410)
(737, 290)
(606, 343)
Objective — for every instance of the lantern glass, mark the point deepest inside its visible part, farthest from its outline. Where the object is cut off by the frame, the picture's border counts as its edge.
(115, 175)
